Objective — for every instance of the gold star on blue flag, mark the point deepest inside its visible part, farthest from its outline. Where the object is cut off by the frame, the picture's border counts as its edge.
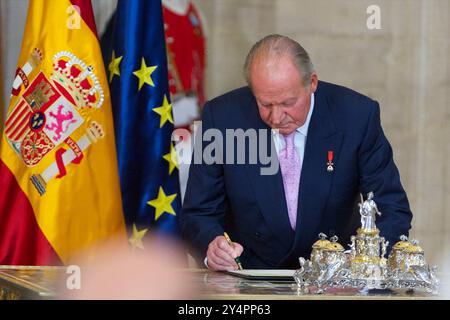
(114, 66)
(144, 74)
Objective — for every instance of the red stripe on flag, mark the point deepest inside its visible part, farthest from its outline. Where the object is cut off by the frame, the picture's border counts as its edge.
(21, 240)
(18, 121)
(14, 115)
(19, 128)
(86, 13)
(21, 134)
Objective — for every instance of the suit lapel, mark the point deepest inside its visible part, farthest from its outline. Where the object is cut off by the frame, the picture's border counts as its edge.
(315, 180)
(268, 189)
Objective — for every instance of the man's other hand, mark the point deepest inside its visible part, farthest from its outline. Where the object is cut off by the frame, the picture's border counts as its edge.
(221, 254)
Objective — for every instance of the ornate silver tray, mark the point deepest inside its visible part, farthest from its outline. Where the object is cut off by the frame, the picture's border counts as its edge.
(364, 266)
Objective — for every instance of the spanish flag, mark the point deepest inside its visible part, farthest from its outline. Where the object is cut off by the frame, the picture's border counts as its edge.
(1, 76)
(59, 184)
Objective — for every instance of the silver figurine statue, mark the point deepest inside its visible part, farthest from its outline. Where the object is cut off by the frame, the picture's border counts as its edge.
(368, 209)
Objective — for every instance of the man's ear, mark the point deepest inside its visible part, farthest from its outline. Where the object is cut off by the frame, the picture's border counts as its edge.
(314, 82)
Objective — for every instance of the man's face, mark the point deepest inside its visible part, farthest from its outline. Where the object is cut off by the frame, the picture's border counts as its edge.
(283, 99)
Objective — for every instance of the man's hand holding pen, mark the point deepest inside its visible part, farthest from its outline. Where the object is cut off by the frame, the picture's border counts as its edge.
(222, 254)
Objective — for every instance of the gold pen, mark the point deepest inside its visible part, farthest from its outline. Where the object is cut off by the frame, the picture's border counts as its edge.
(238, 261)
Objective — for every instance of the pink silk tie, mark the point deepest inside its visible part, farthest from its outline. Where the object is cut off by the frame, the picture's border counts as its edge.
(290, 170)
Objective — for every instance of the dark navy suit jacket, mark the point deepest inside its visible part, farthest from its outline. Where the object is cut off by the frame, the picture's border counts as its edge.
(252, 208)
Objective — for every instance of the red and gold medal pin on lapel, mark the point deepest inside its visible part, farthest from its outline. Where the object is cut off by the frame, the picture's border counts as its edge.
(330, 164)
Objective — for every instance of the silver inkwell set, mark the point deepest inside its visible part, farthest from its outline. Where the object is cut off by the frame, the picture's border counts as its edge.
(365, 266)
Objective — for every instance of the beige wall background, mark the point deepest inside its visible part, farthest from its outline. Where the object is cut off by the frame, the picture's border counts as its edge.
(405, 66)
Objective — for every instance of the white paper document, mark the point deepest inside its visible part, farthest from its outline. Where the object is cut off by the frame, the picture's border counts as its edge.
(276, 274)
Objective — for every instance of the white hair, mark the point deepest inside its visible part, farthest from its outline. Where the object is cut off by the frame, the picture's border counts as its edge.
(275, 46)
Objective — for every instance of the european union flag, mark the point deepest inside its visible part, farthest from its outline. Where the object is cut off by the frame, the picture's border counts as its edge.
(143, 119)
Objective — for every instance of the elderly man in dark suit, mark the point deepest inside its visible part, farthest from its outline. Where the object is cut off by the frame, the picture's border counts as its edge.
(330, 147)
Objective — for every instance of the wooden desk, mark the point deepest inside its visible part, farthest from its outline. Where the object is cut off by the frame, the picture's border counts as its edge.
(43, 283)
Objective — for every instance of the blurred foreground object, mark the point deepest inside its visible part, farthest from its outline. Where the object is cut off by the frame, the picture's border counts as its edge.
(121, 273)
(366, 267)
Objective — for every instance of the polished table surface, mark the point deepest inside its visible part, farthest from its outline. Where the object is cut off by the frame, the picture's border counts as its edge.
(30, 282)
(43, 283)
(217, 285)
